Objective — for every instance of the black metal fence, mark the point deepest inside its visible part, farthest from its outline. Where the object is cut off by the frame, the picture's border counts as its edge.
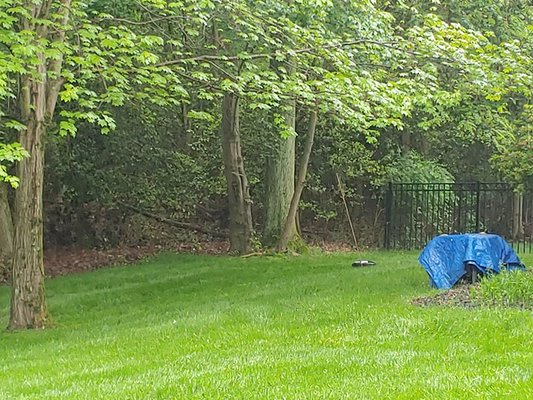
(416, 212)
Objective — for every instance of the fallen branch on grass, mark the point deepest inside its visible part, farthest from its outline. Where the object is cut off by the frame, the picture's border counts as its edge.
(257, 253)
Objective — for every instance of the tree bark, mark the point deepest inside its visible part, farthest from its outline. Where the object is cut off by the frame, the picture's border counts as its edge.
(290, 223)
(38, 99)
(239, 202)
(6, 231)
(28, 307)
(279, 184)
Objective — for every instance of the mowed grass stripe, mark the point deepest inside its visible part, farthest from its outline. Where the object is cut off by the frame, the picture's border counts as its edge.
(273, 327)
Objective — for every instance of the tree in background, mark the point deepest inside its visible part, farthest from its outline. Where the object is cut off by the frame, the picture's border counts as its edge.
(53, 51)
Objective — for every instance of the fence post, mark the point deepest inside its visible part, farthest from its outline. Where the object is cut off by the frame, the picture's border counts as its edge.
(517, 228)
(478, 205)
(388, 215)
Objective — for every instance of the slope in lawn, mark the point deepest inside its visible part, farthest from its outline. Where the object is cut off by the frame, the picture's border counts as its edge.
(190, 327)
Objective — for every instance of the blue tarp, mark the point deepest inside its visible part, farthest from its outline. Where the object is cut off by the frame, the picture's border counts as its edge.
(446, 256)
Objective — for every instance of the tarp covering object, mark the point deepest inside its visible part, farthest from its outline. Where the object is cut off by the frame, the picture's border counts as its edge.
(445, 257)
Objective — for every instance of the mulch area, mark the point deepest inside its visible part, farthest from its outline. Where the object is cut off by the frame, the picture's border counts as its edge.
(68, 260)
(64, 261)
(458, 296)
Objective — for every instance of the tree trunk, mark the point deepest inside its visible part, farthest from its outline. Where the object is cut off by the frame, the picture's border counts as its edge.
(290, 223)
(406, 142)
(28, 307)
(6, 231)
(279, 184)
(240, 209)
(38, 98)
(187, 127)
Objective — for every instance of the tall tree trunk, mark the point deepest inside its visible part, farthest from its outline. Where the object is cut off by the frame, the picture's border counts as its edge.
(290, 222)
(28, 307)
(38, 99)
(6, 231)
(239, 202)
(279, 184)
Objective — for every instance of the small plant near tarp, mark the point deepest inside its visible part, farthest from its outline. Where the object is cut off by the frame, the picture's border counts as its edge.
(508, 289)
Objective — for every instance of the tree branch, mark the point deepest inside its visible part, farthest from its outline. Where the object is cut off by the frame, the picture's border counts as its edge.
(171, 222)
(312, 50)
(151, 21)
(54, 86)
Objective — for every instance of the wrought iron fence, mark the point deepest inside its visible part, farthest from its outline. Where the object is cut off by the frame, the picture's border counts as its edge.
(416, 212)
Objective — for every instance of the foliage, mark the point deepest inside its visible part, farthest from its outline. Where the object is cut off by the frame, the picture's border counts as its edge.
(514, 159)
(237, 55)
(453, 76)
(10, 153)
(412, 167)
(98, 63)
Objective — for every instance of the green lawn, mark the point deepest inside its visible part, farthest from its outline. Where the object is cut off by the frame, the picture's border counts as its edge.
(191, 327)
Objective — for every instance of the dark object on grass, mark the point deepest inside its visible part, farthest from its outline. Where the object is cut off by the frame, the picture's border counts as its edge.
(363, 263)
(448, 258)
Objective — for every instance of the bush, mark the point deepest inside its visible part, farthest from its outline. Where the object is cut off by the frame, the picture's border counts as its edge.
(510, 289)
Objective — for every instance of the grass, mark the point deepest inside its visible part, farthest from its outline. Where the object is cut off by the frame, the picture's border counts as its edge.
(191, 327)
(510, 289)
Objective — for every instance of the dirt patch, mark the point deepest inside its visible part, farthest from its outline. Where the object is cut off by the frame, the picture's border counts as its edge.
(458, 296)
